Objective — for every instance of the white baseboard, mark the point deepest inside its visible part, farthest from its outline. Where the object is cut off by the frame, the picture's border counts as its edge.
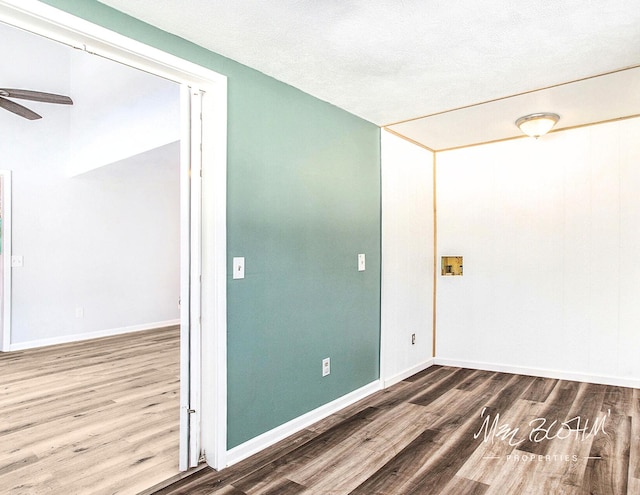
(387, 382)
(66, 339)
(556, 374)
(281, 432)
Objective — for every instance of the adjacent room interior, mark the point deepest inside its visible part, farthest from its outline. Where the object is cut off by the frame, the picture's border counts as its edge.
(95, 277)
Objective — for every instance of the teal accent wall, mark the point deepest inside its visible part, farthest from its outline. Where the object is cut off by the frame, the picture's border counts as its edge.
(303, 199)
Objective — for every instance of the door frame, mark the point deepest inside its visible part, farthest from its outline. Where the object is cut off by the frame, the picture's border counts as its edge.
(207, 383)
(5, 332)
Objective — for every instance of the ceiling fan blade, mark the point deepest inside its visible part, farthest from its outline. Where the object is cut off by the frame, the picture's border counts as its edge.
(25, 94)
(18, 109)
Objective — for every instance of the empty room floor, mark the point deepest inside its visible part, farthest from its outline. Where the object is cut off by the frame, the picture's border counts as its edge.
(453, 431)
(92, 417)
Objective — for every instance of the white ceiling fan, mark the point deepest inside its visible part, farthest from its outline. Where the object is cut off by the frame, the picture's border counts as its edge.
(25, 94)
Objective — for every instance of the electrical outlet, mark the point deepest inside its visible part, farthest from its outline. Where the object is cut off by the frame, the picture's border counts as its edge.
(326, 366)
(413, 339)
(17, 261)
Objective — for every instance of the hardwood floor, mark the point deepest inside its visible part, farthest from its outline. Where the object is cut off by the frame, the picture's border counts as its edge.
(101, 417)
(453, 431)
(93, 417)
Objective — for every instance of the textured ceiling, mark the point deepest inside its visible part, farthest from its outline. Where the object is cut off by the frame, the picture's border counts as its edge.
(392, 60)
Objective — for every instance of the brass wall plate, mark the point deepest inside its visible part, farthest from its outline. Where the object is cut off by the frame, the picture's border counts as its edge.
(451, 265)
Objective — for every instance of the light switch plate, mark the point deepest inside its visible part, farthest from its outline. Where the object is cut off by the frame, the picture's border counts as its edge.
(361, 263)
(238, 267)
(326, 366)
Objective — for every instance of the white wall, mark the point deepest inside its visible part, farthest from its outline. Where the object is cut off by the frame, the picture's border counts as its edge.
(106, 241)
(407, 258)
(550, 233)
(115, 109)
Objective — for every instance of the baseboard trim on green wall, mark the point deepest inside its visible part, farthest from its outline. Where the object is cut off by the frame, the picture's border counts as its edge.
(281, 432)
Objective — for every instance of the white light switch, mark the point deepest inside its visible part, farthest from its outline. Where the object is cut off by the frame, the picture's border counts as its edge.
(361, 263)
(17, 261)
(326, 366)
(238, 268)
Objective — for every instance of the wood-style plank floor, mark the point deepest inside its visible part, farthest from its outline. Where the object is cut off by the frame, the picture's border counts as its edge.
(453, 431)
(93, 417)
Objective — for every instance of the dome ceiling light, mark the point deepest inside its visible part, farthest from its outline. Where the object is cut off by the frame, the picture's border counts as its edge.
(537, 124)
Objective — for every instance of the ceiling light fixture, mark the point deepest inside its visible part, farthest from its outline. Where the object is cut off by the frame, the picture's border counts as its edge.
(537, 124)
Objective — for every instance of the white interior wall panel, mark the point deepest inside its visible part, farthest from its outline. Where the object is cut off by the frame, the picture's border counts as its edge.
(407, 256)
(629, 267)
(549, 231)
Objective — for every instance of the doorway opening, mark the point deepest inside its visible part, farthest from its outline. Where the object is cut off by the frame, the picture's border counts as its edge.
(203, 256)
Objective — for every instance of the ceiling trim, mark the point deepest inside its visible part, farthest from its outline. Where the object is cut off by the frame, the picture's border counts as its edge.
(579, 126)
(631, 67)
(412, 141)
